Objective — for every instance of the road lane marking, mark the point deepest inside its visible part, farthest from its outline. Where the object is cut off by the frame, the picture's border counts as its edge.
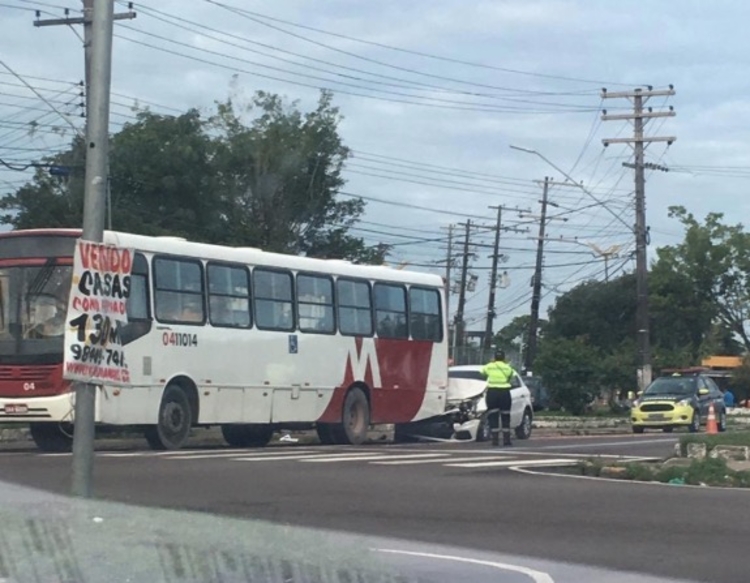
(436, 461)
(241, 453)
(260, 458)
(371, 457)
(533, 574)
(513, 463)
(610, 443)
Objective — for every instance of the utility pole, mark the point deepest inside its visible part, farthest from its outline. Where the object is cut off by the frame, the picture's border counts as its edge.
(448, 266)
(458, 329)
(536, 283)
(493, 280)
(638, 97)
(496, 257)
(94, 211)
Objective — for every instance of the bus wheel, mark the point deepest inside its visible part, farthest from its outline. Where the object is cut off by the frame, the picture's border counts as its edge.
(356, 419)
(325, 433)
(247, 435)
(175, 421)
(51, 437)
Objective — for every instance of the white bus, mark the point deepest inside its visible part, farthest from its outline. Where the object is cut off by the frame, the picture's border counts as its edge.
(223, 336)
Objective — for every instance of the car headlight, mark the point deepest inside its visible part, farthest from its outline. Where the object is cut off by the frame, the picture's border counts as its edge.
(636, 403)
(685, 403)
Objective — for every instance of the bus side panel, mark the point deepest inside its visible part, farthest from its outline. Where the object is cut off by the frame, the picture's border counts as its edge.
(135, 405)
(396, 371)
(434, 402)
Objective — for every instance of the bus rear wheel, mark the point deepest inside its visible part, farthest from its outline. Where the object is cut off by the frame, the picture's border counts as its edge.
(51, 437)
(175, 420)
(247, 435)
(356, 419)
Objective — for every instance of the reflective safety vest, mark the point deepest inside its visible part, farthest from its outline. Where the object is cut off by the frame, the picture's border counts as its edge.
(498, 374)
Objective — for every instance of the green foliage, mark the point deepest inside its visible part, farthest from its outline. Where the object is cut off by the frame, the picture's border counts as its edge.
(570, 371)
(514, 337)
(262, 174)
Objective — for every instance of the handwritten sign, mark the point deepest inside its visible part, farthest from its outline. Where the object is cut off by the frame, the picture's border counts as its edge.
(97, 312)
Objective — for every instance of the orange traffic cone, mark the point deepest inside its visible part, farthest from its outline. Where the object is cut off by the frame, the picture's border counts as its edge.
(711, 426)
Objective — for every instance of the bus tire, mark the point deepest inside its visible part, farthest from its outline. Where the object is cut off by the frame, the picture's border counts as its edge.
(175, 420)
(356, 419)
(325, 433)
(247, 435)
(51, 438)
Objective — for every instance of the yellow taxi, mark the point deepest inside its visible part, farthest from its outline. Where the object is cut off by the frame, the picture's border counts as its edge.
(681, 399)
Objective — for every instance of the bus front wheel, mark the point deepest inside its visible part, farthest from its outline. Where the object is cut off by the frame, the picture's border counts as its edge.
(175, 421)
(51, 437)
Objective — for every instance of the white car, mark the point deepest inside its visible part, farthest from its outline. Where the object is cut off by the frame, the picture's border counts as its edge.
(467, 405)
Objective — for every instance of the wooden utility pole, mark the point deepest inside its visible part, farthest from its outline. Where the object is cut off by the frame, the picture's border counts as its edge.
(639, 116)
(459, 327)
(536, 295)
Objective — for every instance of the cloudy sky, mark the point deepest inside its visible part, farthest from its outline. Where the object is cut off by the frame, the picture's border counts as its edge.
(433, 94)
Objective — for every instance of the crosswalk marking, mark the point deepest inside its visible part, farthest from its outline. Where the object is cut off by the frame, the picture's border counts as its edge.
(237, 453)
(276, 458)
(372, 458)
(435, 461)
(509, 463)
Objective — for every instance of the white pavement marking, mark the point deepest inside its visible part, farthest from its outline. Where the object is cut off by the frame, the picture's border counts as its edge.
(536, 576)
(371, 457)
(439, 461)
(260, 458)
(513, 463)
(241, 453)
(608, 444)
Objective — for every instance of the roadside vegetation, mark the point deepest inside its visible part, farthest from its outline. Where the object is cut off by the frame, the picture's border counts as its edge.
(697, 472)
(711, 441)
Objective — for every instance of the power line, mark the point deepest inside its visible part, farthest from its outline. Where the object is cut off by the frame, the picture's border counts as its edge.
(250, 14)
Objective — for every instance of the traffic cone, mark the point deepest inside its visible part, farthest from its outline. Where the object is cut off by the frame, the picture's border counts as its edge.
(711, 426)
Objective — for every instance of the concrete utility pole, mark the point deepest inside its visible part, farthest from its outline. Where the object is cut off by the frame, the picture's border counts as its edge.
(458, 329)
(639, 97)
(536, 295)
(94, 210)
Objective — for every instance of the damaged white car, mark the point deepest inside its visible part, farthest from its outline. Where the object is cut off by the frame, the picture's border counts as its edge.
(467, 406)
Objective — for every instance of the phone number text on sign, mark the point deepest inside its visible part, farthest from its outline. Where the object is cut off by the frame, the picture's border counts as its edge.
(97, 313)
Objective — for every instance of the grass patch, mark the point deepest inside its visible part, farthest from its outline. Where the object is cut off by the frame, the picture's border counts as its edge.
(708, 472)
(711, 441)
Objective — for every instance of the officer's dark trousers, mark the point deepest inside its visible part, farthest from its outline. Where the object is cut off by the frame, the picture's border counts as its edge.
(498, 405)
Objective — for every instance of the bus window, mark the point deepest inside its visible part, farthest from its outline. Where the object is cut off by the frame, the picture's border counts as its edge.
(424, 313)
(179, 291)
(355, 307)
(274, 303)
(315, 304)
(229, 296)
(138, 308)
(390, 311)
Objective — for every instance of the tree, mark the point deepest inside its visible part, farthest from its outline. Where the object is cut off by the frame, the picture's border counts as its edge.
(571, 372)
(272, 182)
(713, 262)
(514, 336)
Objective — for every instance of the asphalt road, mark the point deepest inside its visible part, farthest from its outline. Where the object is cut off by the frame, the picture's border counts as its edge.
(464, 495)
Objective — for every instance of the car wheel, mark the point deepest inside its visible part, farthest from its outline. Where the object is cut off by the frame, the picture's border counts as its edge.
(484, 433)
(637, 429)
(523, 431)
(722, 421)
(695, 424)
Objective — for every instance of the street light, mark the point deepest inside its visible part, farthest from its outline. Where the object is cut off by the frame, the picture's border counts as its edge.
(578, 184)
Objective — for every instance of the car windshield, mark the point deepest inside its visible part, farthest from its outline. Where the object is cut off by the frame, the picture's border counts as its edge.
(672, 386)
(473, 375)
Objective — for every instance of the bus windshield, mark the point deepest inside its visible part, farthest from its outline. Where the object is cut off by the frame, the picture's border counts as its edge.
(33, 305)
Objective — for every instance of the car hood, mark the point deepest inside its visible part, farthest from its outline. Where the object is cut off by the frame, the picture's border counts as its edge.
(668, 398)
(464, 389)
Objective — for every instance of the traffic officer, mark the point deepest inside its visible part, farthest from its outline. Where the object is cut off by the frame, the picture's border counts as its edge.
(499, 374)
